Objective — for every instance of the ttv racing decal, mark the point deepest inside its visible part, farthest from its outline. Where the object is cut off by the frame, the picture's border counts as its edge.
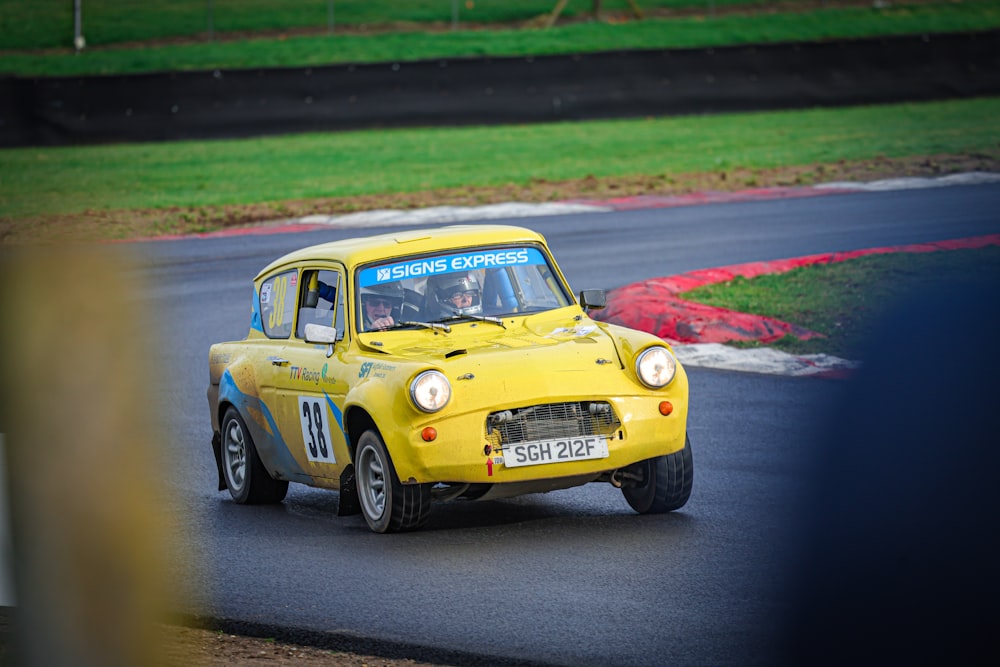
(429, 266)
(305, 374)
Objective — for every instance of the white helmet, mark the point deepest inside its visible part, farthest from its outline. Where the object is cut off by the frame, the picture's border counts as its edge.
(442, 290)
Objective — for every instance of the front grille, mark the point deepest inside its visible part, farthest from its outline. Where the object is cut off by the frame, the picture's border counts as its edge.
(553, 420)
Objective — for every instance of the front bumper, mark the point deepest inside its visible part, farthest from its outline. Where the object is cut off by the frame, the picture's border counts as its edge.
(465, 452)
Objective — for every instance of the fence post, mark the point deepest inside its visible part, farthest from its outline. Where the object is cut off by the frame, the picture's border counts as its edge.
(551, 20)
(211, 21)
(330, 16)
(78, 41)
(454, 14)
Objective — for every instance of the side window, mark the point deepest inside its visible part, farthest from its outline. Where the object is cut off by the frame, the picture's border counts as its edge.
(277, 304)
(322, 301)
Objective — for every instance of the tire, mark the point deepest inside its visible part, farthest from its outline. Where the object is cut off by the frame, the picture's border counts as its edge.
(387, 505)
(665, 483)
(248, 481)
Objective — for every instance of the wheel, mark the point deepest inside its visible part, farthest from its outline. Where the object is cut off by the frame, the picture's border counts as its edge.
(388, 505)
(663, 484)
(248, 481)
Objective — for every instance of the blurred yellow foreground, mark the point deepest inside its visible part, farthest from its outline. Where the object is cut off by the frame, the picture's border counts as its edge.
(90, 540)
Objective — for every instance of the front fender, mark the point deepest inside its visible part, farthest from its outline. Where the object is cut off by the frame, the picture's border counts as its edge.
(382, 400)
(630, 342)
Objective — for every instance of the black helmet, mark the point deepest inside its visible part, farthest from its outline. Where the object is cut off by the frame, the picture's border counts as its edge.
(444, 287)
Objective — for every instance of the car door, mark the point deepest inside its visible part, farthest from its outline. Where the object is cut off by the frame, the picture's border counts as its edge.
(310, 384)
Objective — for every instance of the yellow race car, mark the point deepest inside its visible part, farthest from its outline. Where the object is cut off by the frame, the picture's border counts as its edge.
(423, 366)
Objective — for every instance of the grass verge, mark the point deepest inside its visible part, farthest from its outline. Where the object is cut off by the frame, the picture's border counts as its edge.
(844, 301)
(284, 50)
(336, 171)
(44, 23)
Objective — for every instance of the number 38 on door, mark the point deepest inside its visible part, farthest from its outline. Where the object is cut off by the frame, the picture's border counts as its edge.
(315, 430)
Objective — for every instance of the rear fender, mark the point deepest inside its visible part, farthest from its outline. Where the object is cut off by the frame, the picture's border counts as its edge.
(271, 447)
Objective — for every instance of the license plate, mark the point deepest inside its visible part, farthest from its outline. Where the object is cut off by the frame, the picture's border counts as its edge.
(540, 452)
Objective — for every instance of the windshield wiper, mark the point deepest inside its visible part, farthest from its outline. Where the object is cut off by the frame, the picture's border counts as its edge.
(478, 318)
(427, 325)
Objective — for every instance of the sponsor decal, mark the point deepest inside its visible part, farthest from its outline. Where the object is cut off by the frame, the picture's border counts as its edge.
(578, 331)
(219, 358)
(483, 260)
(375, 369)
(412, 269)
(305, 374)
(430, 266)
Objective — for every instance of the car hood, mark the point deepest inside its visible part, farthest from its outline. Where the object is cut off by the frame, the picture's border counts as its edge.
(547, 342)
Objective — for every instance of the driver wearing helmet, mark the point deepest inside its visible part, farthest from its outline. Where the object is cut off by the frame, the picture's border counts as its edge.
(455, 294)
(380, 305)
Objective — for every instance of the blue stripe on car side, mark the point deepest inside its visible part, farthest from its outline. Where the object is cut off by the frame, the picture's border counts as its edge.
(281, 457)
(256, 323)
(339, 416)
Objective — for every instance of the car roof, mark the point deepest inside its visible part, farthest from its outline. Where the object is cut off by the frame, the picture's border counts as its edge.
(361, 250)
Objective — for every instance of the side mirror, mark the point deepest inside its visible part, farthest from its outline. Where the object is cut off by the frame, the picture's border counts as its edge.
(318, 333)
(593, 299)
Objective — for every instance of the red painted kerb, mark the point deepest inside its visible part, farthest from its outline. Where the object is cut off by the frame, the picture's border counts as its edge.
(653, 305)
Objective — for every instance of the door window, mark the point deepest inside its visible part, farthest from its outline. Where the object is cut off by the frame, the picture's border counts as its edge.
(322, 301)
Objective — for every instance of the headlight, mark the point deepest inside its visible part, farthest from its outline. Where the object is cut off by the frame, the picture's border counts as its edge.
(430, 391)
(656, 367)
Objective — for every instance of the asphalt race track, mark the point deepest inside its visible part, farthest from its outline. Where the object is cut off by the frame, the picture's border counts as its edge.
(573, 577)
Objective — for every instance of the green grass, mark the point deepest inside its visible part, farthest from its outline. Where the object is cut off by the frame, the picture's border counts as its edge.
(40, 181)
(573, 38)
(49, 23)
(844, 301)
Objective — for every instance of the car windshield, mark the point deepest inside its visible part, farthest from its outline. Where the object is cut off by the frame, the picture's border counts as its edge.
(477, 283)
